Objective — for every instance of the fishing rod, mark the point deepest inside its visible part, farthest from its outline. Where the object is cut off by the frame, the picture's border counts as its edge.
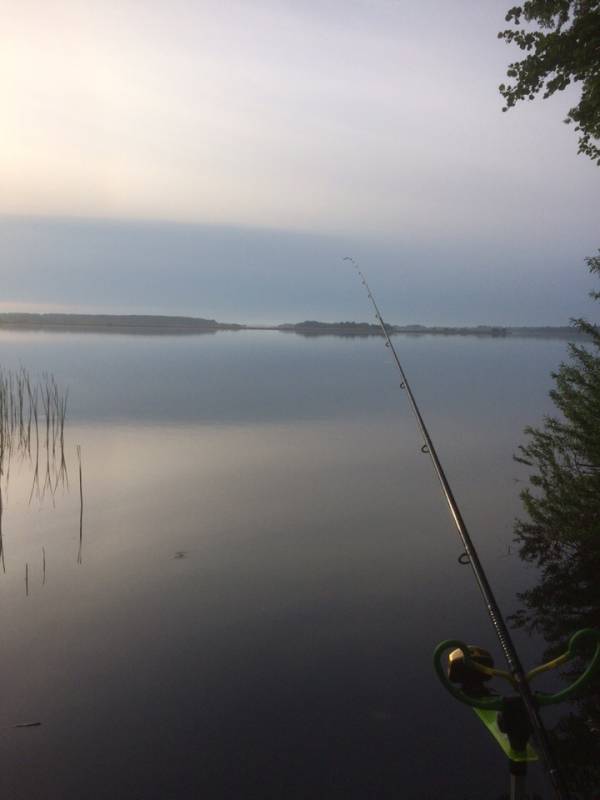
(518, 676)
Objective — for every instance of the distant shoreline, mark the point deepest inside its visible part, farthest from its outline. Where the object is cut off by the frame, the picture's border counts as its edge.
(176, 325)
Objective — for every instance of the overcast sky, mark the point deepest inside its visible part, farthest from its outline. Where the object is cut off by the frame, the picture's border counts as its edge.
(219, 158)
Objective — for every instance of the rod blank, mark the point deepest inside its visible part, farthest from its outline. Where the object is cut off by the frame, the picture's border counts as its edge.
(496, 618)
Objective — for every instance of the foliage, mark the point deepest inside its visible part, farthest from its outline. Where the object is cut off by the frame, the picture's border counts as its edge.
(561, 536)
(562, 47)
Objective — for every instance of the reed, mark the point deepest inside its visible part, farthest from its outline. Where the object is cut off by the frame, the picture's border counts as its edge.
(80, 551)
(1, 537)
(32, 425)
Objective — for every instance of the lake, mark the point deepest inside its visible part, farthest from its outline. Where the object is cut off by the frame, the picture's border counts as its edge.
(266, 565)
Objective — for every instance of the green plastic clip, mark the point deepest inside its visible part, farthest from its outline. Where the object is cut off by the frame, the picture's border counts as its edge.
(487, 707)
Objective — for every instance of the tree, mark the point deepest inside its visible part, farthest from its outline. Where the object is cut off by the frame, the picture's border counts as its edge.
(561, 536)
(562, 48)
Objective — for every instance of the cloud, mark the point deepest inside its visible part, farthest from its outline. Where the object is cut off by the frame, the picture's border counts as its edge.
(265, 275)
(284, 134)
(335, 116)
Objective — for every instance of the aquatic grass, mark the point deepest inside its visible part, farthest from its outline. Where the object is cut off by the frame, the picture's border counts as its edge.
(32, 422)
(1, 537)
(21, 401)
(32, 425)
(80, 551)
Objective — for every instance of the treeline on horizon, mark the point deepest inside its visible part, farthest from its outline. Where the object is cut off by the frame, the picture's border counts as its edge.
(368, 328)
(157, 322)
(112, 321)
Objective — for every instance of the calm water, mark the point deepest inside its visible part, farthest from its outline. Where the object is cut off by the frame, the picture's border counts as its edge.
(267, 566)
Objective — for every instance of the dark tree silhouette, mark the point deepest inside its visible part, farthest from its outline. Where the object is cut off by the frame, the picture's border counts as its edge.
(561, 536)
(562, 46)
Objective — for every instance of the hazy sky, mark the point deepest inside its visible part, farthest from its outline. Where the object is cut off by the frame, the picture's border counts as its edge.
(225, 155)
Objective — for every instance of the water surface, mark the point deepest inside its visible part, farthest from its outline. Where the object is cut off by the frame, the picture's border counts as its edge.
(267, 566)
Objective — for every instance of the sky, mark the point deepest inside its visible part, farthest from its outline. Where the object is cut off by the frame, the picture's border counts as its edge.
(220, 158)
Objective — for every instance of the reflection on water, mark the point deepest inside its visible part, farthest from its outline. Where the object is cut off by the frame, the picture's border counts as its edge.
(558, 532)
(268, 567)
